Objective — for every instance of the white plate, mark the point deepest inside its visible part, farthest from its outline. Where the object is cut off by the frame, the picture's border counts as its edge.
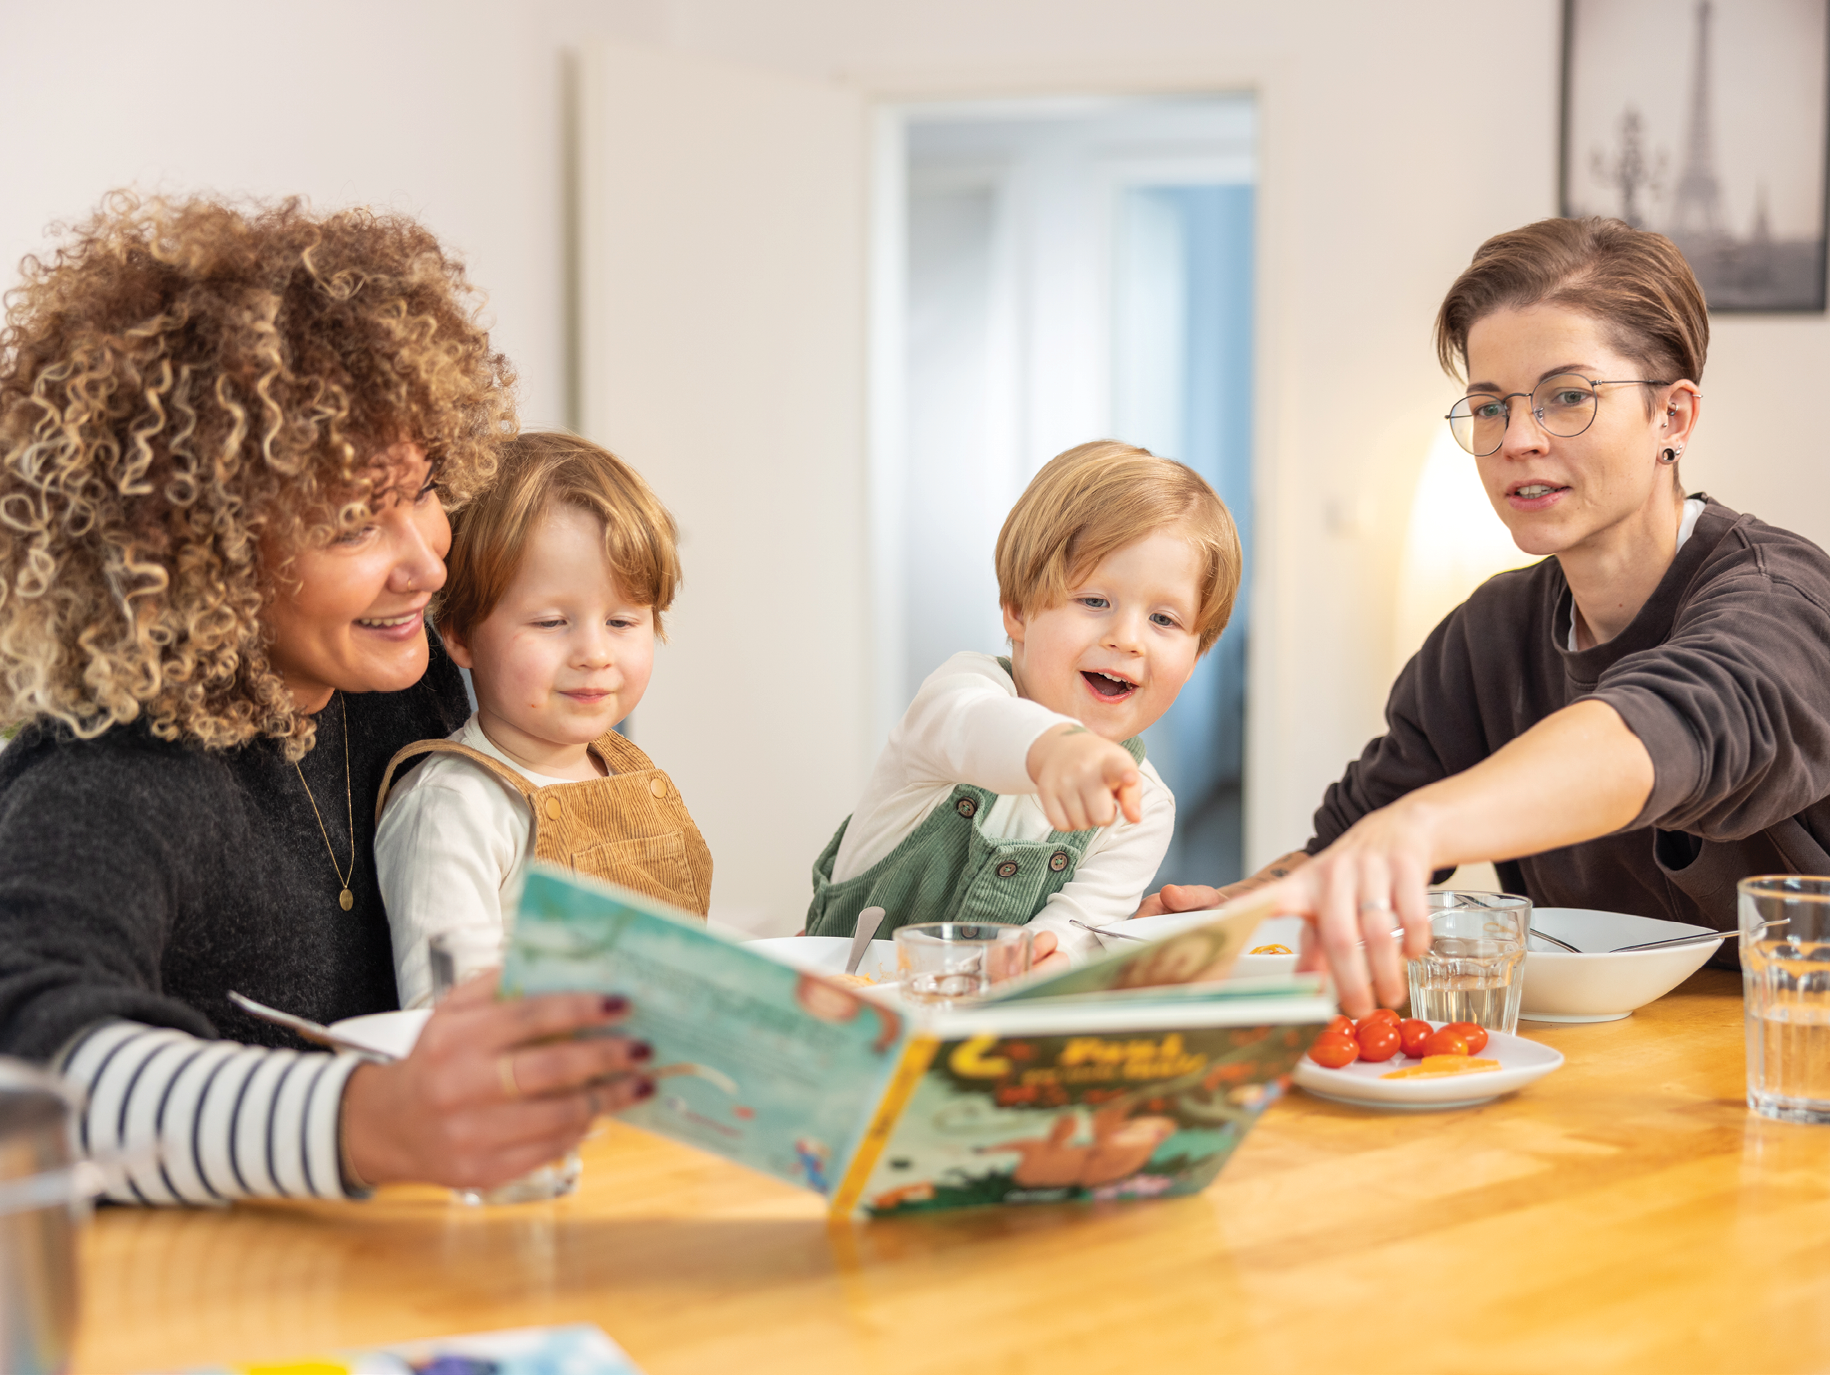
(1602, 986)
(1360, 1084)
(1273, 931)
(827, 955)
(386, 1033)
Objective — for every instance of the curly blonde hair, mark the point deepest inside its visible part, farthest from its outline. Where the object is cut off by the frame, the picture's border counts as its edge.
(185, 388)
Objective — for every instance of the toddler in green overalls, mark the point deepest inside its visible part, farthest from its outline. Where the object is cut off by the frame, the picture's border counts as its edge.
(1015, 788)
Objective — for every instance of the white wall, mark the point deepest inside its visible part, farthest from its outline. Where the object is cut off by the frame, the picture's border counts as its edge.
(1395, 138)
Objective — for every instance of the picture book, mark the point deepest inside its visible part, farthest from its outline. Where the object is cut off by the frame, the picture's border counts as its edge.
(1134, 1075)
(581, 1349)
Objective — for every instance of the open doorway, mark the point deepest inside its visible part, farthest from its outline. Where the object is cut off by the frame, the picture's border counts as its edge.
(1049, 272)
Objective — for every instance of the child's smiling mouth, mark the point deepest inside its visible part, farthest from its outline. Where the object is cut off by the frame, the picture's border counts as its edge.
(1107, 686)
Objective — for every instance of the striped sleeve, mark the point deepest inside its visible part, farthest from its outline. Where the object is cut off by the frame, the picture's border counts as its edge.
(197, 1121)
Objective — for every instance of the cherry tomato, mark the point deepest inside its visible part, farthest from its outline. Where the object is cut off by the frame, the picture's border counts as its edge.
(1413, 1032)
(1378, 1038)
(1473, 1034)
(1332, 1050)
(1378, 1014)
(1446, 1042)
(1342, 1025)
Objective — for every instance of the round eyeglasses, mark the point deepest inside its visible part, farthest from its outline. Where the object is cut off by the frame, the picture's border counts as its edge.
(1563, 406)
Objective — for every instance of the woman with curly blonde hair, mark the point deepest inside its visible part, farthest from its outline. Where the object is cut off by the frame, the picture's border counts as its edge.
(228, 439)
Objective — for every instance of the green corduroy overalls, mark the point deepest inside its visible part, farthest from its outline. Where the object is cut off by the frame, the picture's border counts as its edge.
(948, 869)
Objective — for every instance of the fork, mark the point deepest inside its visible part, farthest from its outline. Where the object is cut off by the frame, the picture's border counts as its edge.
(1100, 933)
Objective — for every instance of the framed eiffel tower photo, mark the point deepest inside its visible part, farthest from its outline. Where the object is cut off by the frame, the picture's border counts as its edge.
(1709, 121)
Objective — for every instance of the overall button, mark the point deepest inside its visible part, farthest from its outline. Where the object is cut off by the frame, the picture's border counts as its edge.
(1058, 861)
(657, 787)
(1007, 868)
(555, 808)
(966, 807)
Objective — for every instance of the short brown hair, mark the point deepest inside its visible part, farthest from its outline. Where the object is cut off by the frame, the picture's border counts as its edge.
(184, 383)
(537, 471)
(1094, 500)
(1634, 282)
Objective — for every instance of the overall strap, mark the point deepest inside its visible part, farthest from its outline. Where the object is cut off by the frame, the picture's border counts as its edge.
(620, 752)
(418, 747)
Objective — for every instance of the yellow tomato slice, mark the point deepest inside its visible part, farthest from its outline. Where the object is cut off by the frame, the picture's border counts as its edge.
(1436, 1066)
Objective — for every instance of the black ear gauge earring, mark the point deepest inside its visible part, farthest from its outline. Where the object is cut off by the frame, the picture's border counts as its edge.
(1669, 456)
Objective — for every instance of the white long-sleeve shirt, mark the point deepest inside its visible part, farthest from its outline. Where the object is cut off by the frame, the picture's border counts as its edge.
(451, 852)
(968, 725)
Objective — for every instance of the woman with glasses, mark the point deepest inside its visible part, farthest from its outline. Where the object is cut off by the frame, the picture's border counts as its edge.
(1633, 723)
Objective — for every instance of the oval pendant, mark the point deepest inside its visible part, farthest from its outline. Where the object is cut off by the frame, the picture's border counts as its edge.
(345, 900)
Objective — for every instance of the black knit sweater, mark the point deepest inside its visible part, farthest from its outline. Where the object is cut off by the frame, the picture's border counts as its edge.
(144, 879)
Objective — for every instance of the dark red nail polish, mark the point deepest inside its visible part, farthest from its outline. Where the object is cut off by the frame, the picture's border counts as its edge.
(644, 1089)
(640, 1050)
(615, 1004)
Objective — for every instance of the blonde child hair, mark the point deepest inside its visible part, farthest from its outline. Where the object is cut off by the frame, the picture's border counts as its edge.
(1094, 500)
(537, 470)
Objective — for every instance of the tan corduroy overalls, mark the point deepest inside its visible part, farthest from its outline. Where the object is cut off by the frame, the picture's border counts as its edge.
(630, 827)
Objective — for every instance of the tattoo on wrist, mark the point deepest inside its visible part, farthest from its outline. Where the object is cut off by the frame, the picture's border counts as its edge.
(1074, 730)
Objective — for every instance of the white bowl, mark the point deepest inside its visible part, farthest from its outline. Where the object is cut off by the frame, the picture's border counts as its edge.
(1277, 931)
(827, 955)
(1600, 986)
(1273, 931)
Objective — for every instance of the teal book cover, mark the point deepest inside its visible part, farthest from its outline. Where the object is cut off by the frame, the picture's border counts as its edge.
(766, 1065)
(1146, 1112)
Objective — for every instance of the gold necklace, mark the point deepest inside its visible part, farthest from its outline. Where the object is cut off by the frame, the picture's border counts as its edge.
(345, 899)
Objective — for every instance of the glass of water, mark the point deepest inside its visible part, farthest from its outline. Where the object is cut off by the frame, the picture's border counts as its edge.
(454, 955)
(943, 962)
(1785, 982)
(1475, 971)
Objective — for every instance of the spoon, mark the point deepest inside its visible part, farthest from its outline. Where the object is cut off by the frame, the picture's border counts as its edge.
(1643, 945)
(1675, 940)
(868, 922)
(1101, 932)
(1549, 939)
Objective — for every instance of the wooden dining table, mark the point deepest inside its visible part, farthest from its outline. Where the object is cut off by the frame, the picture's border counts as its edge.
(1626, 1213)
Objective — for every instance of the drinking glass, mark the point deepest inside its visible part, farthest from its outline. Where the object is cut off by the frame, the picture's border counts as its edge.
(455, 954)
(944, 962)
(1785, 983)
(1475, 970)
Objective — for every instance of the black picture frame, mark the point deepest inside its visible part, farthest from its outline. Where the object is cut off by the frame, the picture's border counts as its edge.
(1665, 163)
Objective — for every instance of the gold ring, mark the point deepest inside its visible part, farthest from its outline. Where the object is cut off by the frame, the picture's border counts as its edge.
(505, 1071)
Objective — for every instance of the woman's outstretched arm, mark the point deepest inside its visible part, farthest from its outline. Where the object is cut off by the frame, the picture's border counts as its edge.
(1578, 774)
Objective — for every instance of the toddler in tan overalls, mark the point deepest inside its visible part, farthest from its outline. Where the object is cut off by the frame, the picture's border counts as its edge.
(557, 579)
